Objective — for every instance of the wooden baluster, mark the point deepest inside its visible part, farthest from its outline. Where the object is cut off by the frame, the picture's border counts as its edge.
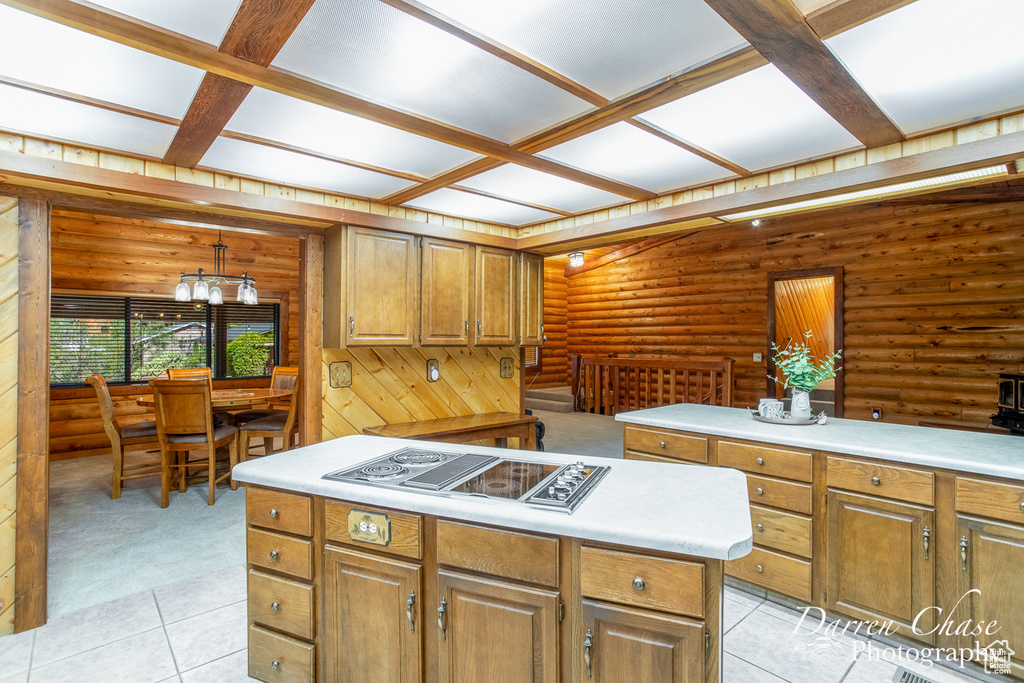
(661, 386)
(686, 386)
(615, 388)
(672, 385)
(714, 388)
(700, 386)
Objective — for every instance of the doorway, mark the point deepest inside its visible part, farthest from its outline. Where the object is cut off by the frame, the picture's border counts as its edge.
(802, 300)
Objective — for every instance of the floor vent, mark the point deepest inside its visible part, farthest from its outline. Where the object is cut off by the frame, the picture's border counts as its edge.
(904, 676)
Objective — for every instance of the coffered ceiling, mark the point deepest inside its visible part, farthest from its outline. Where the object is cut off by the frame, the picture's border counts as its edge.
(500, 111)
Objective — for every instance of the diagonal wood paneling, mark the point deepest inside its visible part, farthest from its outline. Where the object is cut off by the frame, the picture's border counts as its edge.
(389, 385)
(8, 405)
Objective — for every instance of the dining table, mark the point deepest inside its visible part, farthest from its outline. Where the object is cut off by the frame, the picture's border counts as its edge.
(235, 398)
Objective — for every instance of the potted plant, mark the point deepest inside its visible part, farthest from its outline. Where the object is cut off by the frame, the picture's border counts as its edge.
(801, 372)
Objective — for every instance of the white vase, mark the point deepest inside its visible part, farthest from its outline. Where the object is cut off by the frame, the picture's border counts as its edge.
(800, 408)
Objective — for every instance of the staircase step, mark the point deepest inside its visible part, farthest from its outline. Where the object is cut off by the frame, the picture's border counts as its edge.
(557, 394)
(551, 406)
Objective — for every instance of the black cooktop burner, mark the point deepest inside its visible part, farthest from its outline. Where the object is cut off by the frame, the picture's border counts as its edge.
(420, 457)
(384, 471)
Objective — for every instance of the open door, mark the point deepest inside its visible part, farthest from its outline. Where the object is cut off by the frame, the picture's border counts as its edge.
(802, 300)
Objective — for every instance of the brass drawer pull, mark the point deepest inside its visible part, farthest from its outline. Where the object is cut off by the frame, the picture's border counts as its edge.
(759, 527)
(273, 513)
(273, 554)
(638, 583)
(440, 616)
(876, 481)
(662, 444)
(759, 569)
(588, 642)
(408, 610)
(963, 553)
(352, 326)
(274, 606)
(927, 534)
(760, 491)
(760, 461)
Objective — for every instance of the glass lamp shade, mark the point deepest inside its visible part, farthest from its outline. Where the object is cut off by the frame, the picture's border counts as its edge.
(250, 296)
(201, 291)
(182, 292)
(216, 296)
(240, 298)
(576, 259)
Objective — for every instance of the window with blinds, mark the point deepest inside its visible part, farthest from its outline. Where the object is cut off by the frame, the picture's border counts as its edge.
(533, 357)
(133, 339)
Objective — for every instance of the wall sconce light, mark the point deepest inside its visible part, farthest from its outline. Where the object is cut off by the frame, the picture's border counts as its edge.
(576, 259)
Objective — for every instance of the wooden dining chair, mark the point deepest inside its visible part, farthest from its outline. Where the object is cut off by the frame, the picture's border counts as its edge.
(124, 435)
(283, 423)
(184, 423)
(281, 377)
(225, 416)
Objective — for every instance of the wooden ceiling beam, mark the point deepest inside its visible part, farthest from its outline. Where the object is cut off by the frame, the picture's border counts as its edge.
(777, 29)
(257, 33)
(842, 15)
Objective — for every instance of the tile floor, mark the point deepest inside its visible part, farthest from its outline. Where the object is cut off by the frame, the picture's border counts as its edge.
(194, 631)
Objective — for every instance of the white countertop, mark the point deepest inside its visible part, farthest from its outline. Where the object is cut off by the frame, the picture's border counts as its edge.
(996, 455)
(691, 510)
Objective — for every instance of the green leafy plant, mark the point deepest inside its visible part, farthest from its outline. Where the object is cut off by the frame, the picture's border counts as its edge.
(248, 354)
(799, 370)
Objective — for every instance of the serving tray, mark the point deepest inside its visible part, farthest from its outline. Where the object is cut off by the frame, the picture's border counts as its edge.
(820, 418)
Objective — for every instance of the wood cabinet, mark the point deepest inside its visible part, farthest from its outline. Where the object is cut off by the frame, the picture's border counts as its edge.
(495, 297)
(446, 287)
(373, 609)
(531, 300)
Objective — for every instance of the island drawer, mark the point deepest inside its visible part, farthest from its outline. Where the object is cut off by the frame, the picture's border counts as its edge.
(638, 580)
(990, 499)
(281, 603)
(280, 511)
(783, 531)
(781, 494)
(765, 461)
(284, 554)
(510, 554)
(279, 659)
(666, 444)
(875, 479)
(401, 532)
(774, 571)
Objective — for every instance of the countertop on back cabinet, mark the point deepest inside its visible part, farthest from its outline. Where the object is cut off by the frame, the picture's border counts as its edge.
(994, 455)
(691, 510)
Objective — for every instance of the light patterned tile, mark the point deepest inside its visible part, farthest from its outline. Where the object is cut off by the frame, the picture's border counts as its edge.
(879, 664)
(15, 653)
(16, 678)
(142, 658)
(736, 610)
(735, 669)
(209, 636)
(769, 643)
(231, 669)
(211, 591)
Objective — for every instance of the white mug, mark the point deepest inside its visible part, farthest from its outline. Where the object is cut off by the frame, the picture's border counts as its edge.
(770, 407)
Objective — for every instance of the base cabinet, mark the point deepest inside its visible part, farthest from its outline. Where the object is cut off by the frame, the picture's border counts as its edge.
(495, 631)
(623, 644)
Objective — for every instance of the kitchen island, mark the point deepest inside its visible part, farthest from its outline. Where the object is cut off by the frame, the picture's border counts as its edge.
(355, 582)
(917, 527)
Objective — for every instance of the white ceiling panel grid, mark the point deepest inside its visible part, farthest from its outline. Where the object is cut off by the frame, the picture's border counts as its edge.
(290, 168)
(609, 46)
(536, 187)
(626, 153)
(205, 20)
(298, 123)
(938, 62)
(758, 120)
(55, 56)
(58, 119)
(477, 207)
(382, 54)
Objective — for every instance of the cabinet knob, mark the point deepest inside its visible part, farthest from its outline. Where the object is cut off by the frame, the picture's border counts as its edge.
(760, 461)
(876, 481)
(638, 583)
(760, 491)
(1022, 506)
(273, 513)
(759, 569)
(274, 607)
(273, 554)
(759, 527)
(661, 443)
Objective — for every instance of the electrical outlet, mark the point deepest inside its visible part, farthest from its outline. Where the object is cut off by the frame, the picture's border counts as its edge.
(757, 358)
(433, 373)
(506, 368)
(340, 374)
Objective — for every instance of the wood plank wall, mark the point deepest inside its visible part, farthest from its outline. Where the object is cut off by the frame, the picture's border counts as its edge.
(8, 405)
(389, 385)
(94, 253)
(554, 367)
(934, 298)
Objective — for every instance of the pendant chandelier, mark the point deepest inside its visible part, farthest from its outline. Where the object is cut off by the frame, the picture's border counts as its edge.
(207, 286)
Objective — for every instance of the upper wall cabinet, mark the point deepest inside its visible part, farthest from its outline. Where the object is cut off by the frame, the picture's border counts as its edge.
(495, 297)
(446, 292)
(531, 300)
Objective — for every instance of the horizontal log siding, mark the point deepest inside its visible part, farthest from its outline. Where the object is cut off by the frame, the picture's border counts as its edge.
(934, 302)
(133, 257)
(554, 370)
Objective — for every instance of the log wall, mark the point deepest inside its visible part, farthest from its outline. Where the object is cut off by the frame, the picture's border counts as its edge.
(8, 405)
(554, 369)
(100, 254)
(389, 386)
(934, 302)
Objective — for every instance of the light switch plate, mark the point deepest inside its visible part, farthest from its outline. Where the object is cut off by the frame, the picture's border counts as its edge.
(507, 368)
(340, 373)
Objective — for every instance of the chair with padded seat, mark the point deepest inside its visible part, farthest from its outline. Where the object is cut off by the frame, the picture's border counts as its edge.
(283, 423)
(184, 423)
(281, 377)
(224, 416)
(122, 434)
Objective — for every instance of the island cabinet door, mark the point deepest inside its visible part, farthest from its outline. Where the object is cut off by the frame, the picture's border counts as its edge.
(991, 610)
(622, 644)
(373, 618)
(881, 562)
(495, 631)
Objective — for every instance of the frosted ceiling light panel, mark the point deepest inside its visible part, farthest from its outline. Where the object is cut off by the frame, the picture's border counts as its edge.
(757, 120)
(535, 187)
(609, 46)
(205, 20)
(284, 119)
(55, 56)
(56, 119)
(291, 168)
(626, 153)
(475, 207)
(382, 54)
(935, 63)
